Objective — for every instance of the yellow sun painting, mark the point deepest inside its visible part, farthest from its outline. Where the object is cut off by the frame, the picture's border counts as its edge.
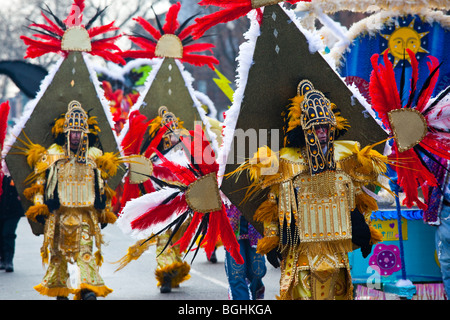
(403, 38)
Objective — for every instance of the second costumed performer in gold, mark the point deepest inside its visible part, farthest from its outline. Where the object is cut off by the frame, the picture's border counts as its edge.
(164, 133)
(317, 210)
(71, 198)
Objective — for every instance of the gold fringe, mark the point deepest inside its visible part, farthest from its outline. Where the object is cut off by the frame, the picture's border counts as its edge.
(100, 291)
(53, 292)
(325, 247)
(30, 192)
(98, 258)
(110, 193)
(180, 270)
(267, 244)
(266, 212)
(134, 252)
(44, 253)
(365, 203)
(37, 210)
(107, 216)
(375, 235)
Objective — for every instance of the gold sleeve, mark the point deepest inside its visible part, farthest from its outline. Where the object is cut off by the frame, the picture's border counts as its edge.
(35, 193)
(267, 213)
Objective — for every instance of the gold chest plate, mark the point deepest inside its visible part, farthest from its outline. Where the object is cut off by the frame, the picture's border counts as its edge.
(76, 183)
(324, 203)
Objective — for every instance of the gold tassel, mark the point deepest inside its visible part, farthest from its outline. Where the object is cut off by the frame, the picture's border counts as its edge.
(44, 253)
(110, 193)
(134, 252)
(375, 235)
(267, 244)
(30, 192)
(266, 212)
(98, 258)
(107, 216)
(365, 203)
(37, 210)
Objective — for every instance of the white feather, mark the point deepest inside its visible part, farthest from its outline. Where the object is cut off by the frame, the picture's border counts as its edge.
(156, 65)
(137, 207)
(439, 117)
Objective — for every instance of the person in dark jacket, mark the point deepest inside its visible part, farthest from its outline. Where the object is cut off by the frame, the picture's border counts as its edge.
(10, 213)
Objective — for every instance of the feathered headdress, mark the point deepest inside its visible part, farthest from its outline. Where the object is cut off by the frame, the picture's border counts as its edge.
(293, 130)
(59, 135)
(63, 36)
(421, 125)
(231, 10)
(171, 41)
(193, 193)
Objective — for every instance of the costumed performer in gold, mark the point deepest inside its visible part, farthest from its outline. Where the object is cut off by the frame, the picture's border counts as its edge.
(71, 198)
(171, 270)
(316, 211)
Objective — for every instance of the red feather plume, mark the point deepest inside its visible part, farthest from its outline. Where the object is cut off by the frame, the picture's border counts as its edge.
(51, 35)
(385, 97)
(169, 206)
(231, 10)
(171, 26)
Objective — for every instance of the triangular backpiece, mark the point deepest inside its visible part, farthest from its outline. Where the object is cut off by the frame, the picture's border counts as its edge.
(168, 86)
(281, 59)
(71, 81)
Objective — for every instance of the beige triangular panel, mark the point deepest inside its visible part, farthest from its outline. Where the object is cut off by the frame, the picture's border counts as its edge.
(71, 82)
(280, 61)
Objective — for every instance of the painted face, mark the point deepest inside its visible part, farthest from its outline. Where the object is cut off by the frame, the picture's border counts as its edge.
(322, 134)
(75, 138)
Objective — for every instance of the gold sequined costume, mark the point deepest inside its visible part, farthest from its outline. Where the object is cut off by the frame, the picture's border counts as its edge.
(171, 269)
(315, 200)
(69, 191)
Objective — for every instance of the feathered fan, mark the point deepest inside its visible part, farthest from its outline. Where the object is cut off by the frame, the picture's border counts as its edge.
(62, 36)
(170, 41)
(192, 191)
(231, 10)
(422, 125)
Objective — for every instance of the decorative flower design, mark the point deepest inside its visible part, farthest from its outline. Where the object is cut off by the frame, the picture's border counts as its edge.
(385, 259)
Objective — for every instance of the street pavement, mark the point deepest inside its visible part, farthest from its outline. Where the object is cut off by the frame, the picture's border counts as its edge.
(135, 282)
